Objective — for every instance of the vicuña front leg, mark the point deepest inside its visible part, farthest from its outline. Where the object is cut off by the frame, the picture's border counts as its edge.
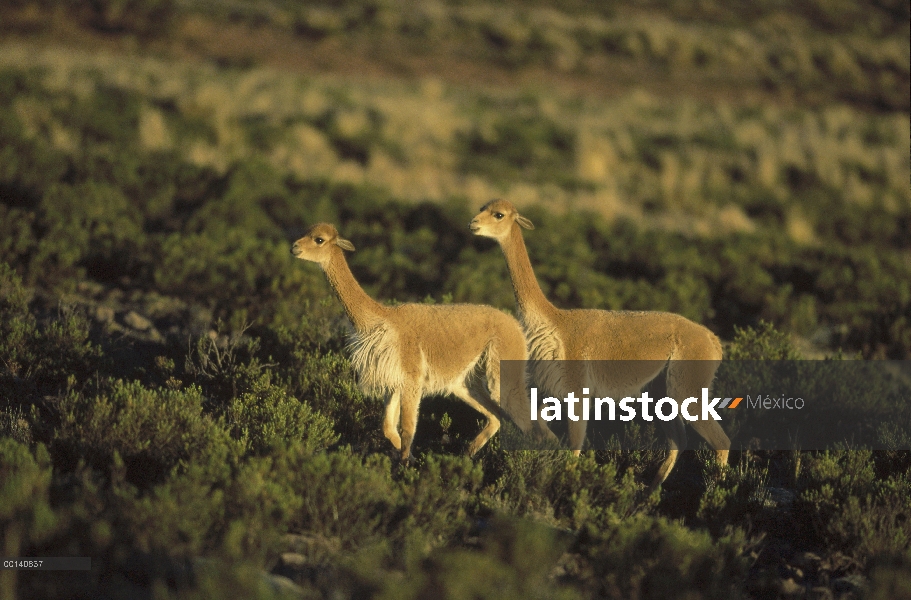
(391, 419)
(411, 402)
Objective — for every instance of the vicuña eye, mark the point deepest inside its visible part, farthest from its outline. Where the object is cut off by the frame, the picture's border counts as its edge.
(319, 240)
(498, 216)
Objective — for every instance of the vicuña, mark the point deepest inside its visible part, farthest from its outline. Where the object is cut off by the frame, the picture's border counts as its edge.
(406, 352)
(645, 342)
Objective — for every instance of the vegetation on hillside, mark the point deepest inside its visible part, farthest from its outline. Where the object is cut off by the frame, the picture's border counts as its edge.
(191, 183)
(175, 397)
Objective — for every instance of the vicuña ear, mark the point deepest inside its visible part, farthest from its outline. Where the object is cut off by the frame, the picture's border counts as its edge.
(523, 222)
(344, 244)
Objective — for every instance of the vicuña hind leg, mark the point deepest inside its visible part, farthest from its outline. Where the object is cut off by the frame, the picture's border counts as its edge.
(487, 408)
(665, 469)
(391, 419)
(577, 435)
(712, 432)
(514, 402)
(544, 432)
(676, 441)
(686, 378)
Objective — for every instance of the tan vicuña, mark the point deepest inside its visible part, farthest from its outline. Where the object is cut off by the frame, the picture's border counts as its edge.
(406, 352)
(691, 352)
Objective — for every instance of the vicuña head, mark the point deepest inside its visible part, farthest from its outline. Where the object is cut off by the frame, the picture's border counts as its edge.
(496, 220)
(403, 353)
(319, 242)
(644, 341)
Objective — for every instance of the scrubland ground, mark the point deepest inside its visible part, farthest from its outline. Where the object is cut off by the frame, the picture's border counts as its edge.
(175, 399)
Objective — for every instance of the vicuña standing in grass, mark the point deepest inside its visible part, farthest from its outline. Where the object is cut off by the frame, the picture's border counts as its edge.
(645, 341)
(403, 353)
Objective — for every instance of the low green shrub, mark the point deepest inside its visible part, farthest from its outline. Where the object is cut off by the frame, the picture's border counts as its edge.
(153, 430)
(514, 559)
(25, 478)
(241, 277)
(359, 502)
(558, 487)
(522, 144)
(439, 497)
(647, 557)
(739, 494)
(267, 416)
(87, 228)
(763, 342)
(327, 383)
(843, 504)
(40, 357)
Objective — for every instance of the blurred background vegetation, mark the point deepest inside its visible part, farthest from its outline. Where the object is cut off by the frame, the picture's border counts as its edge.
(175, 399)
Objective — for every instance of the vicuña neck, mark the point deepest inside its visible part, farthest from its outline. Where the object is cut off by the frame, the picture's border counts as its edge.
(529, 297)
(363, 310)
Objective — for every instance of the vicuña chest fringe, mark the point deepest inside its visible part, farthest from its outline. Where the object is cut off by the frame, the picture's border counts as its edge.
(375, 358)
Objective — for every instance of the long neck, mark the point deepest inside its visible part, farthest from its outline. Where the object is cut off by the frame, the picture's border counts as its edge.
(529, 297)
(363, 310)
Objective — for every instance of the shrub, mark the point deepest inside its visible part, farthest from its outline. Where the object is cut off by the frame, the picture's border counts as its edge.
(225, 365)
(555, 486)
(40, 357)
(842, 504)
(266, 416)
(217, 506)
(646, 557)
(25, 477)
(17, 235)
(738, 495)
(327, 383)
(15, 426)
(25, 513)
(514, 560)
(87, 228)
(438, 498)
(239, 276)
(153, 430)
(524, 144)
(761, 343)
